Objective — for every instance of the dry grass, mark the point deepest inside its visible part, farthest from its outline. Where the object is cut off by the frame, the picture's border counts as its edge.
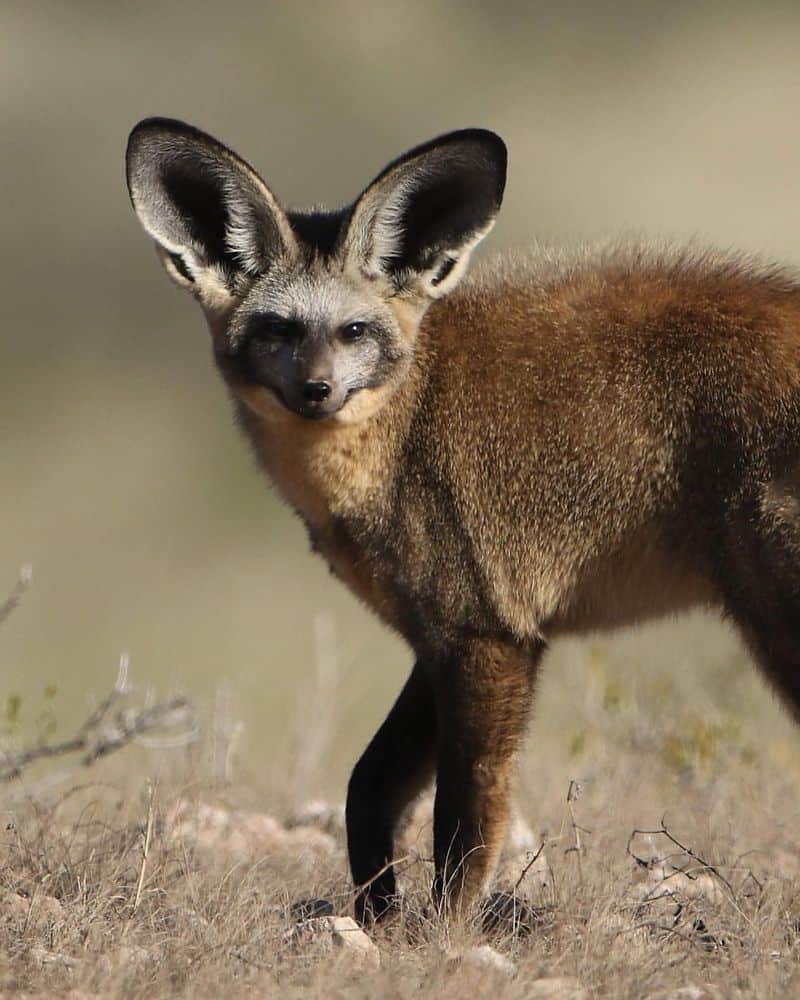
(654, 851)
(124, 886)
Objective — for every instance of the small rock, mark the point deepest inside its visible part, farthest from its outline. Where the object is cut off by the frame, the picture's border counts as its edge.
(42, 957)
(306, 839)
(320, 814)
(678, 876)
(240, 833)
(668, 883)
(688, 993)
(126, 957)
(346, 934)
(14, 908)
(482, 957)
(35, 909)
(321, 936)
(555, 988)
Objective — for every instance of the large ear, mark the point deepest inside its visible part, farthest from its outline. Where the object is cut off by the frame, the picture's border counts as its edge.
(213, 218)
(420, 219)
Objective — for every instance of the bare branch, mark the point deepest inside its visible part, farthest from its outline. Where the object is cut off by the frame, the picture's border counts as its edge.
(535, 857)
(573, 793)
(100, 734)
(13, 599)
(145, 852)
(704, 866)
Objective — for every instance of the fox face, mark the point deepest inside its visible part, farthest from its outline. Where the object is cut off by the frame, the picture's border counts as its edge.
(314, 314)
(309, 338)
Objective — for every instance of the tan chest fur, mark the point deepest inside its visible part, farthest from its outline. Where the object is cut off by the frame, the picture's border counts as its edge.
(333, 475)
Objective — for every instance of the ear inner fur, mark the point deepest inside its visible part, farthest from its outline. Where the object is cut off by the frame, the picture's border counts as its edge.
(431, 206)
(205, 206)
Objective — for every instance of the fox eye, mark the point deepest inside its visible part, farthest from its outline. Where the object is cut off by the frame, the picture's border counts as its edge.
(353, 331)
(271, 327)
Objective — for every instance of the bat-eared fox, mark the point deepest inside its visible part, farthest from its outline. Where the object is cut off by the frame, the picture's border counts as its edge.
(560, 444)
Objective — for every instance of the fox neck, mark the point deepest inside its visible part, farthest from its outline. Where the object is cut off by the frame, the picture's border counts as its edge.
(331, 471)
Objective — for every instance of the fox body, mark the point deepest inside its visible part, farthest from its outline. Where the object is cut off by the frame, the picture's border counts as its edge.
(553, 446)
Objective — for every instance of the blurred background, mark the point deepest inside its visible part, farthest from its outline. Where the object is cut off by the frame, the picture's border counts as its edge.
(122, 478)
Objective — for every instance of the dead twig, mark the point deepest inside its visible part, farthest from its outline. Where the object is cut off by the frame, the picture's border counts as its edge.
(13, 599)
(704, 866)
(573, 793)
(100, 734)
(145, 852)
(535, 857)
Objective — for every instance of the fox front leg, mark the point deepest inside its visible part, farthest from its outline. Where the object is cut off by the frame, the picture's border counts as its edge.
(394, 768)
(483, 697)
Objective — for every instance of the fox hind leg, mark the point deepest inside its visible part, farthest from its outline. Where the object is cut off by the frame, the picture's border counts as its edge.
(761, 582)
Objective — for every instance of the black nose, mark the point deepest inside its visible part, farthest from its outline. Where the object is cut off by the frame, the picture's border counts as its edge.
(316, 391)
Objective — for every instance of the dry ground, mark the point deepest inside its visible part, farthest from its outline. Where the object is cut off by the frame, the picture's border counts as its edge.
(140, 876)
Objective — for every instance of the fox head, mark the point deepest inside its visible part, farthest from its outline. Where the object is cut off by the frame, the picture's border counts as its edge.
(313, 313)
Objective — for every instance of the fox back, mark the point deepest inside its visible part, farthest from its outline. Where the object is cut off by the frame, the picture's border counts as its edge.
(557, 444)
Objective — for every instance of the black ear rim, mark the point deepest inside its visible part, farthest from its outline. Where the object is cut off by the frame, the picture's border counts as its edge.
(490, 142)
(157, 125)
